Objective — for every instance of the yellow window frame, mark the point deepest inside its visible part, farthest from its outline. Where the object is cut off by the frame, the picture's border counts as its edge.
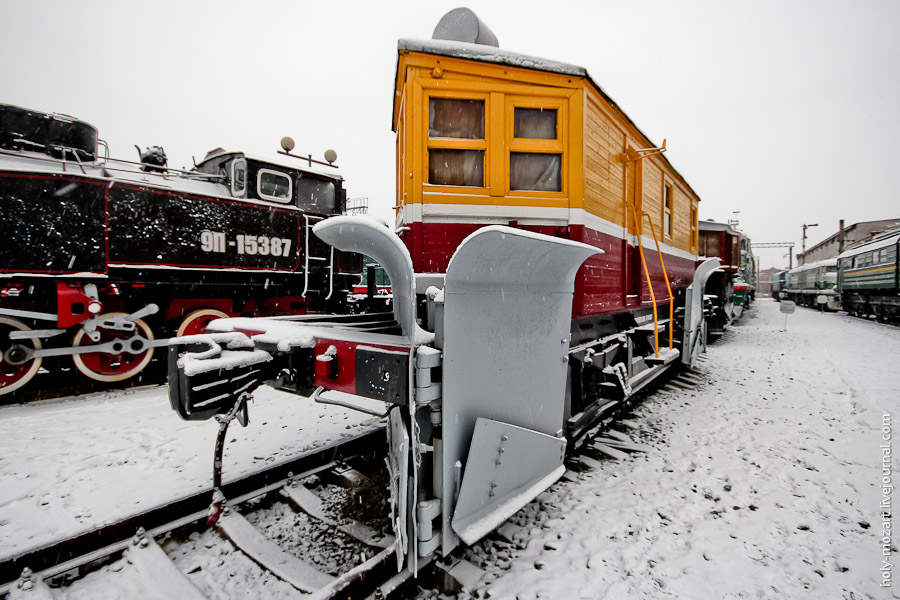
(668, 208)
(536, 146)
(457, 143)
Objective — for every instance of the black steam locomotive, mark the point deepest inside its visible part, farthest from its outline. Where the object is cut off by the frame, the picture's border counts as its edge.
(102, 259)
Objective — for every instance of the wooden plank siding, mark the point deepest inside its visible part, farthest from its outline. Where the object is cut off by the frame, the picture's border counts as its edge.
(604, 187)
(607, 136)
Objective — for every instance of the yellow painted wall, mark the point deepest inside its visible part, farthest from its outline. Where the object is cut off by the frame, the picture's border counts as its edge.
(595, 137)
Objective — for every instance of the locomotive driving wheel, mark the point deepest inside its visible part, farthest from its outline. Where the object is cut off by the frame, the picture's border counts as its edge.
(197, 321)
(128, 357)
(17, 362)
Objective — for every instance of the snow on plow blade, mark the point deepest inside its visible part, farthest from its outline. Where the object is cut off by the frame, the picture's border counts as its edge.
(507, 319)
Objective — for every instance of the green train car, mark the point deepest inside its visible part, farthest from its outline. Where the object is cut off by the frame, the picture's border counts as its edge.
(814, 285)
(869, 278)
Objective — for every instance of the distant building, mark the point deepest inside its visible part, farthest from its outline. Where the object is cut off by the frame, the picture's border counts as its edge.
(764, 283)
(853, 235)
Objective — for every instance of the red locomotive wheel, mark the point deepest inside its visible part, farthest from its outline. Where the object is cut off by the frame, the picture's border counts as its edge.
(16, 366)
(197, 321)
(115, 366)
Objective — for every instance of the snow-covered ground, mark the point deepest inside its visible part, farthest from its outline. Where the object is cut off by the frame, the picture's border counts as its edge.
(765, 481)
(69, 465)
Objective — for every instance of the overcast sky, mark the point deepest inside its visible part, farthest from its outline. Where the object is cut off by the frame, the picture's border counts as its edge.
(786, 111)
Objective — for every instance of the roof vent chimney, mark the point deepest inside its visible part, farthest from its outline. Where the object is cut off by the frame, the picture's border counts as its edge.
(463, 25)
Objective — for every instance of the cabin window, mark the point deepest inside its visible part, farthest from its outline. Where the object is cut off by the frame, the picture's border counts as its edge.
(316, 195)
(456, 167)
(239, 177)
(456, 146)
(453, 118)
(535, 158)
(668, 200)
(274, 185)
(534, 123)
(538, 172)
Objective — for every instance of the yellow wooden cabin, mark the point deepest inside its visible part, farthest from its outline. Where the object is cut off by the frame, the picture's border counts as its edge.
(486, 136)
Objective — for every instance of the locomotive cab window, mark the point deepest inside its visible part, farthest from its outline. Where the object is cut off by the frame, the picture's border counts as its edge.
(535, 157)
(274, 185)
(456, 142)
(239, 178)
(316, 195)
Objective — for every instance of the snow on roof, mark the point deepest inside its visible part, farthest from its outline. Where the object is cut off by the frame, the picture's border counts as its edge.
(129, 172)
(114, 170)
(828, 262)
(489, 54)
(890, 239)
(715, 226)
(296, 163)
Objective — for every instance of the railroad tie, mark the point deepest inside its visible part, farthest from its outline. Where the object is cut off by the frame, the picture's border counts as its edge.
(158, 572)
(620, 445)
(304, 499)
(268, 555)
(609, 451)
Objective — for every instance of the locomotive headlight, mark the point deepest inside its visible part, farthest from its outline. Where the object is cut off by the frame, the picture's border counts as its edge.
(94, 308)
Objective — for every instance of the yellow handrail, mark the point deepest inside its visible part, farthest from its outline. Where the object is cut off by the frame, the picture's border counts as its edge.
(633, 155)
(666, 277)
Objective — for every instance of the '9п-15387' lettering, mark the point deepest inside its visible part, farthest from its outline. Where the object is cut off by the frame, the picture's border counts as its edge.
(215, 241)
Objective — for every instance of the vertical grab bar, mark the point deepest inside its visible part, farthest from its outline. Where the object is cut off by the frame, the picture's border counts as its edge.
(666, 277)
(330, 259)
(306, 233)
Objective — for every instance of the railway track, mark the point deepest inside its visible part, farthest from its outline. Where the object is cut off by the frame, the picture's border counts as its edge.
(313, 549)
(277, 494)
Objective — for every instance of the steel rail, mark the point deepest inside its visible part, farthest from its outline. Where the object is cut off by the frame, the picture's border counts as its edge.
(56, 558)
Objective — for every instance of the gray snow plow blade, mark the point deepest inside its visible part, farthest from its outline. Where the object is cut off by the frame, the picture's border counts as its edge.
(507, 317)
(507, 467)
(694, 340)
